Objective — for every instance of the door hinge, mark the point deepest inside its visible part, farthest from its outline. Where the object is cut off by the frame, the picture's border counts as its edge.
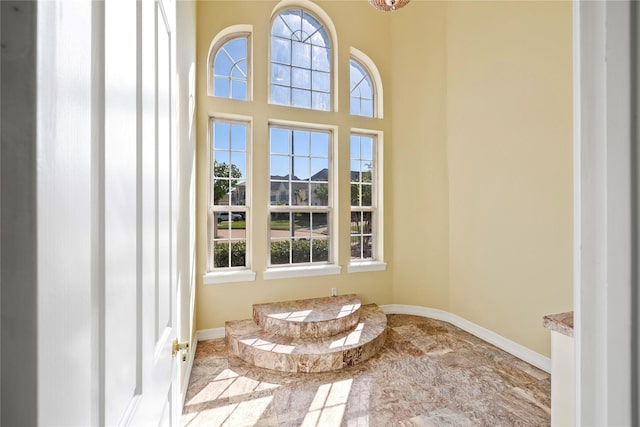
(180, 347)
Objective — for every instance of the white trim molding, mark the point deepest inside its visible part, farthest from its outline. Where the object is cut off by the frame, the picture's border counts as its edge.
(233, 276)
(301, 271)
(187, 372)
(210, 334)
(511, 347)
(364, 266)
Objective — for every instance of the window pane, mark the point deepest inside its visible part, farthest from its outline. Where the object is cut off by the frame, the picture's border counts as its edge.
(356, 247)
(238, 254)
(220, 191)
(355, 194)
(281, 29)
(319, 169)
(367, 148)
(280, 95)
(221, 135)
(280, 252)
(309, 24)
(320, 38)
(321, 59)
(238, 162)
(355, 106)
(366, 109)
(319, 194)
(321, 81)
(301, 98)
(321, 101)
(302, 225)
(221, 159)
(300, 193)
(301, 55)
(280, 50)
(222, 64)
(238, 137)
(320, 144)
(365, 198)
(320, 250)
(281, 74)
(221, 254)
(222, 87)
(300, 168)
(301, 78)
(293, 19)
(279, 166)
(279, 193)
(238, 90)
(319, 225)
(279, 140)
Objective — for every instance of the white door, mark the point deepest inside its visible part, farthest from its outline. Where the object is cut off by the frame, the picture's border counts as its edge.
(139, 221)
(105, 167)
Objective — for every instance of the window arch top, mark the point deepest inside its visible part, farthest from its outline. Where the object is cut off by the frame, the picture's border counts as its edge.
(301, 61)
(366, 94)
(362, 90)
(230, 69)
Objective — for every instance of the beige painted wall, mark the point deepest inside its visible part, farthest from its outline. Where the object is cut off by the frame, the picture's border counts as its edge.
(478, 163)
(419, 199)
(509, 114)
(218, 303)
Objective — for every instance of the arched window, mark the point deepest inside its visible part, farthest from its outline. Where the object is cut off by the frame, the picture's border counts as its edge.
(230, 69)
(300, 61)
(361, 89)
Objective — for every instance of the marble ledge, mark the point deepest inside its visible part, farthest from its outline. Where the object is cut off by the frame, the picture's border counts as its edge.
(561, 322)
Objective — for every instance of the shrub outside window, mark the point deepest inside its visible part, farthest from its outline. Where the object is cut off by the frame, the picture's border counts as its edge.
(300, 194)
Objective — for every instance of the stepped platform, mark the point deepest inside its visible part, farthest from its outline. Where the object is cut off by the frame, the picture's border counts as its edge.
(309, 318)
(249, 341)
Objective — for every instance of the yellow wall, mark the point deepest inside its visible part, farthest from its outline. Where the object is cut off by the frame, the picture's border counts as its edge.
(478, 190)
(419, 198)
(218, 303)
(509, 114)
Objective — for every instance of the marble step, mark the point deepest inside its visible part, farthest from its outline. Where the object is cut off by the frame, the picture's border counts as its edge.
(309, 318)
(273, 351)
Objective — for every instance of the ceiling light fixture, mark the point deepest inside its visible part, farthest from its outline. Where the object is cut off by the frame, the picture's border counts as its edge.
(388, 5)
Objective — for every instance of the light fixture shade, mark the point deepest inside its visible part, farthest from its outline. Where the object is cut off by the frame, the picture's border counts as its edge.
(388, 5)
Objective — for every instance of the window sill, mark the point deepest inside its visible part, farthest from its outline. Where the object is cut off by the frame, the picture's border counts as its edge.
(219, 277)
(301, 271)
(360, 267)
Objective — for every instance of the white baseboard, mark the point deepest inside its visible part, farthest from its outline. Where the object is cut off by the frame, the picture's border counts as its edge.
(210, 334)
(187, 372)
(520, 351)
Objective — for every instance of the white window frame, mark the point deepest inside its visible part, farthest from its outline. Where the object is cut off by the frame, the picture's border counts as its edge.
(376, 81)
(377, 205)
(227, 34)
(318, 13)
(331, 266)
(229, 274)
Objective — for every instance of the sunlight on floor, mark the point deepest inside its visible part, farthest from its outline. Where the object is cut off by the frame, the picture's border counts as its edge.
(351, 339)
(269, 346)
(328, 405)
(229, 384)
(347, 310)
(294, 316)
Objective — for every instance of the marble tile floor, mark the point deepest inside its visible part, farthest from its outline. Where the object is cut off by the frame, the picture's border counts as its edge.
(429, 373)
